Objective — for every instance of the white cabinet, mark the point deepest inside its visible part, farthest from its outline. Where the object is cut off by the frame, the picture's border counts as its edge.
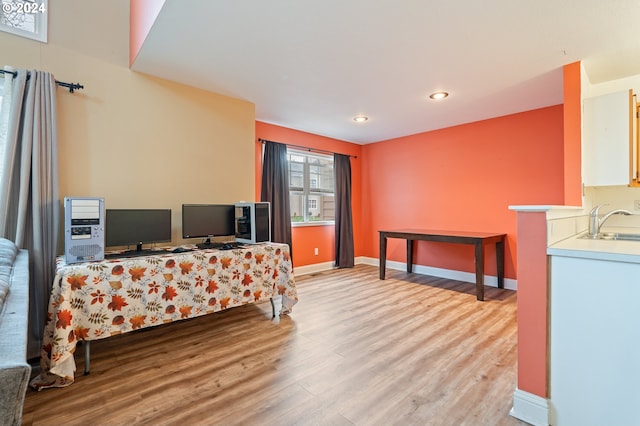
(609, 139)
(594, 342)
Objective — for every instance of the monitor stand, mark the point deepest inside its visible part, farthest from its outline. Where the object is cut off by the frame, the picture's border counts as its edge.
(206, 244)
(137, 250)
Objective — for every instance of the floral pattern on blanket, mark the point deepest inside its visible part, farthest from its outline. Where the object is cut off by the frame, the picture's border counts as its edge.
(96, 300)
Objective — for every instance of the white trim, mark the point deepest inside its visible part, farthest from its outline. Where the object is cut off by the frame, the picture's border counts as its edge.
(543, 208)
(312, 269)
(467, 277)
(326, 266)
(371, 261)
(366, 261)
(530, 408)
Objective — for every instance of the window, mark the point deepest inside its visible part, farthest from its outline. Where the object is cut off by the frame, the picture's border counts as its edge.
(26, 18)
(311, 187)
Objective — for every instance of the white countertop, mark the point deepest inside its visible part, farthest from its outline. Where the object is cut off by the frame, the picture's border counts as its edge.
(611, 250)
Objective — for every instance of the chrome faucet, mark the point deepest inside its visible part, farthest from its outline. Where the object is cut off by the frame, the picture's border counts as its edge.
(595, 223)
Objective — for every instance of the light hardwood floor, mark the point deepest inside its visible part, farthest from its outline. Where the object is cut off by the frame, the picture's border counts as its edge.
(410, 350)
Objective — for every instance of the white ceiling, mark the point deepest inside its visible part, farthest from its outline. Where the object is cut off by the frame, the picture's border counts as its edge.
(314, 65)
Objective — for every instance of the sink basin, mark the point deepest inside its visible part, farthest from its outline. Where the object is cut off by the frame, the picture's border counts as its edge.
(614, 236)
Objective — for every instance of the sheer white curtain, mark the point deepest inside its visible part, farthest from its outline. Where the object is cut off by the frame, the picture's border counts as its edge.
(29, 201)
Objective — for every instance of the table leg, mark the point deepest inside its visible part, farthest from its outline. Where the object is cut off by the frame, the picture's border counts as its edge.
(479, 256)
(500, 262)
(409, 256)
(383, 255)
(87, 353)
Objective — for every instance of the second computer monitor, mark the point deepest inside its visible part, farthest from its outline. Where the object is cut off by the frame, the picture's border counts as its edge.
(207, 220)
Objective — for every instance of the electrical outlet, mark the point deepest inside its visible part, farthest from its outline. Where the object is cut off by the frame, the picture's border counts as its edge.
(315, 251)
(636, 205)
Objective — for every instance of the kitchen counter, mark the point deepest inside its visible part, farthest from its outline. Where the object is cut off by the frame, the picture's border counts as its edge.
(593, 331)
(610, 250)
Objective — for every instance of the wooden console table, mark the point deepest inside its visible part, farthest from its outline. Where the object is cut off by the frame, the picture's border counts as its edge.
(477, 239)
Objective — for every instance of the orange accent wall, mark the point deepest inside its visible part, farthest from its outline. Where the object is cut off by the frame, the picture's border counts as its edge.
(307, 238)
(462, 178)
(532, 302)
(142, 15)
(572, 135)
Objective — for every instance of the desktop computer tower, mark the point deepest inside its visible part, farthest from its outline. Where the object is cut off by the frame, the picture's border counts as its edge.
(83, 229)
(253, 222)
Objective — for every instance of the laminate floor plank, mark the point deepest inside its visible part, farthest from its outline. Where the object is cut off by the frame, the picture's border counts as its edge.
(409, 350)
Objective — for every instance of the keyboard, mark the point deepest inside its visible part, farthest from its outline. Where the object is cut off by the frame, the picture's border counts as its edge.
(219, 246)
(204, 246)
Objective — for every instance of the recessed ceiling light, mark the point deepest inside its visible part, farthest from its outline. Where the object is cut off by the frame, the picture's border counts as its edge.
(438, 95)
(360, 118)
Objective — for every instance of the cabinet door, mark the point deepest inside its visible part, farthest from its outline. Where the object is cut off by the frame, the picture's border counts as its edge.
(608, 139)
(594, 346)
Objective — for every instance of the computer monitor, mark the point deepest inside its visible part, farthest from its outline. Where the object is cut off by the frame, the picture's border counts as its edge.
(125, 227)
(207, 221)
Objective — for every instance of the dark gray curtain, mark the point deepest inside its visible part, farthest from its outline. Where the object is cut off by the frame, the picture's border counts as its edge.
(29, 201)
(275, 190)
(344, 222)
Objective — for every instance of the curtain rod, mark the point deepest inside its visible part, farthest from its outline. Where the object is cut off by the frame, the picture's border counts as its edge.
(70, 86)
(306, 148)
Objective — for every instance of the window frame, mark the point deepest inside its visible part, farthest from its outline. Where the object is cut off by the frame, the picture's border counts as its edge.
(40, 15)
(305, 190)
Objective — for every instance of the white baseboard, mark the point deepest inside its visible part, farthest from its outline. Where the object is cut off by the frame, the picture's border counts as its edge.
(530, 408)
(312, 269)
(366, 261)
(325, 266)
(467, 277)
(371, 261)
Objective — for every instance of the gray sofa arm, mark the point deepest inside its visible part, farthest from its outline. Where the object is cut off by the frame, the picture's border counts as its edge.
(14, 381)
(14, 320)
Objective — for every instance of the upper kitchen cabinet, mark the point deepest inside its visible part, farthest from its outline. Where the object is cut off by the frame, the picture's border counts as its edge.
(610, 141)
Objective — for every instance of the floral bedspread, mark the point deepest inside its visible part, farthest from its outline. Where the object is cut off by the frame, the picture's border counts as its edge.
(95, 300)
